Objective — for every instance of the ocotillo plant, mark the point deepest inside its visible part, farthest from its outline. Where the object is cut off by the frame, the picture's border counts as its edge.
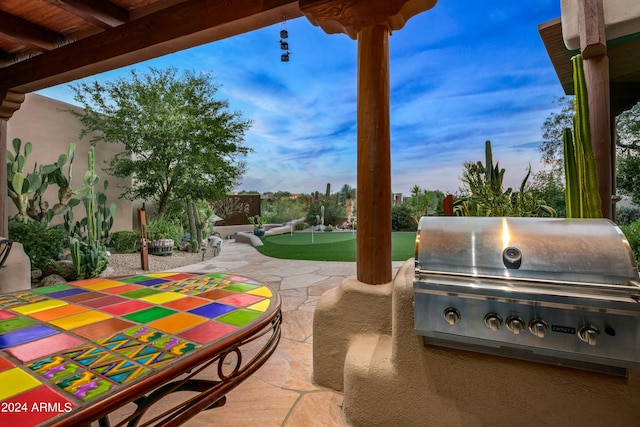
(581, 194)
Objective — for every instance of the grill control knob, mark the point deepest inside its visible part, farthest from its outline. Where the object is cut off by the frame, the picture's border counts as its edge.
(493, 321)
(589, 334)
(451, 315)
(515, 324)
(538, 328)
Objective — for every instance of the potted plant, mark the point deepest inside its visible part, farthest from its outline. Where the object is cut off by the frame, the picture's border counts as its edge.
(161, 235)
(258, 225)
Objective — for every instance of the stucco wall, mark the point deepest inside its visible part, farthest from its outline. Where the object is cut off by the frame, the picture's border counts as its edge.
(621, 19)
(42, 121)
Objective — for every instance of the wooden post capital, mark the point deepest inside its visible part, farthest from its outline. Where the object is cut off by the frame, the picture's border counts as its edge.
(593, 40)
(349, 16)
(10, 102)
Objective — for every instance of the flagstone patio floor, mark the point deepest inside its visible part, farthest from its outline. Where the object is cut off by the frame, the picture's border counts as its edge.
(280, 393)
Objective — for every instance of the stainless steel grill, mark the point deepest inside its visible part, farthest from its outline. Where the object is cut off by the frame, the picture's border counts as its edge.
(559, 291)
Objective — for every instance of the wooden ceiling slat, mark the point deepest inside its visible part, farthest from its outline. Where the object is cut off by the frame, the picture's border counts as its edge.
(627, 58)
(45, 15)
(139, 10)
(551, 34)
(101, 13)
(31, 35)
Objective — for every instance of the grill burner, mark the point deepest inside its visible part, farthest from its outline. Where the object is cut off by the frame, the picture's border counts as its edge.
(560, 291)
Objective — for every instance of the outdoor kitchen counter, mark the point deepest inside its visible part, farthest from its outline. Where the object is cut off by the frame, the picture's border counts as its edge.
(73, 353)
(393, 379)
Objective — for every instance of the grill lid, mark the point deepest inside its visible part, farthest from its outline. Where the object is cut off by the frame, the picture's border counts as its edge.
(590, 251)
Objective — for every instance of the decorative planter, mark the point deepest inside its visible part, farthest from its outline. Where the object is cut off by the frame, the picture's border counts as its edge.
(258, 231)
(163, 247)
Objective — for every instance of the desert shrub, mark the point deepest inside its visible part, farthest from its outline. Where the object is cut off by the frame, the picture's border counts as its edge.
(41, 243)
(483, 193)
(632, 233)
(401, 219)
(124, 242)
(280, 211)
(626, 215)
(332, 211)
(163, 228)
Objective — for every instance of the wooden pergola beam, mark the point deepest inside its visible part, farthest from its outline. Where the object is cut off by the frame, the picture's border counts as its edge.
(100, 13)
(178, 27)
(626, 95)
(32, 35)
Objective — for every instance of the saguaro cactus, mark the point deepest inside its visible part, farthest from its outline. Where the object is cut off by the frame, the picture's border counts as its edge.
(87, 251)
(581, 192)
(195, 232)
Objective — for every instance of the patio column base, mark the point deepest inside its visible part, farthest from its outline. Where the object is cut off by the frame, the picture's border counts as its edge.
(15, 275)
(343, 313)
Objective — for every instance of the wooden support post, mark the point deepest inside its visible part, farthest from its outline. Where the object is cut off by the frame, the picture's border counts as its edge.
(10, 102)
(373, 240)
(144, 250)
(447, 205)
(596, 71)
(370, 22)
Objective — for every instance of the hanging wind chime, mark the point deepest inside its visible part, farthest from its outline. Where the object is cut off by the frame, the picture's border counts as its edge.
(284, 44)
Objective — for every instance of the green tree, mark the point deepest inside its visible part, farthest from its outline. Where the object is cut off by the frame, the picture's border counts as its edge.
(333, 211)
(548, 187)
(628, 146)
(284, 209)
(628, 129)
(548, 184)
(627, 142)
(628, 176)
(551, 151)
(179, 140)
(402, 219)
(424, 202)
(345, 192)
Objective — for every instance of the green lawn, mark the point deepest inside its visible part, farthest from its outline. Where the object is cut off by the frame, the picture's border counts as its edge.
(330, 246)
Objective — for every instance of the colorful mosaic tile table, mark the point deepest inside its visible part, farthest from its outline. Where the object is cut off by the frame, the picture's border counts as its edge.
(71, 354)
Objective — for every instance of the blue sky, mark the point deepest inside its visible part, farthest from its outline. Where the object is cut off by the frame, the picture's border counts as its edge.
(461, 73)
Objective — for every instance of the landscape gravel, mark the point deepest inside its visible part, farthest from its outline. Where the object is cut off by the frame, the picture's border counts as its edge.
(129, 264)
